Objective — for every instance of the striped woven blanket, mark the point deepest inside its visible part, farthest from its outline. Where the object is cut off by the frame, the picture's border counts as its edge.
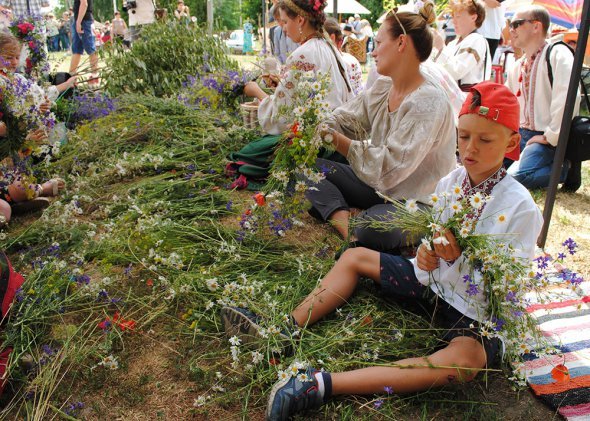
(563, 380)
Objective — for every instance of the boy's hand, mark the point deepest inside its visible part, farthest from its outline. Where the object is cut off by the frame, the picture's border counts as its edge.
(426, 259)
(446, 247)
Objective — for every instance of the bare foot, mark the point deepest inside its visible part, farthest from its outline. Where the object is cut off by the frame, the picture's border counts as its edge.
(52, 187)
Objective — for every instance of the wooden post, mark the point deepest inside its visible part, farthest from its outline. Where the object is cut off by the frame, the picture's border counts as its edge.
(210, 17)
(566, 123)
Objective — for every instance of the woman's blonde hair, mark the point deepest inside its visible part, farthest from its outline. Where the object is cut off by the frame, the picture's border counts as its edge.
(7, 40)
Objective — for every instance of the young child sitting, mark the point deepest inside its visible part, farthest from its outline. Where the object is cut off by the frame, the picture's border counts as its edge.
(488, 128)
(10, 49)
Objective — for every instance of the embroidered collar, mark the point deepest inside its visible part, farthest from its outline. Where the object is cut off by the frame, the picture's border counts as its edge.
(486, 186)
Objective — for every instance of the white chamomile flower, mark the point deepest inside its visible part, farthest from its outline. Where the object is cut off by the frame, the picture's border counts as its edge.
(297, 111)
(456, 189)
(283, 375)
(235, 341)
(212, 284)
(303, 377)
(464, 232)
(476, 201)
(501, 218)
(426, 244)
(434, 199)
(411, 206)
(456, 207)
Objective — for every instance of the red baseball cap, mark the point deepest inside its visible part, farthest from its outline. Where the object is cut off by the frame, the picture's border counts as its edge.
(498, 104)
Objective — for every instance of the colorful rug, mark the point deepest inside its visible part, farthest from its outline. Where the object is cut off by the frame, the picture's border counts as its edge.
(563, 381)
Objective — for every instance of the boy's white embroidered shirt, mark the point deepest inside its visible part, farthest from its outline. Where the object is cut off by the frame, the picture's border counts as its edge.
(520, 227)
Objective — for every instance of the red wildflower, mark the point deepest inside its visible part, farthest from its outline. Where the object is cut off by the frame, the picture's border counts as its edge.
(149, 282)
(259, 199)
(25, 27)
(560, 373)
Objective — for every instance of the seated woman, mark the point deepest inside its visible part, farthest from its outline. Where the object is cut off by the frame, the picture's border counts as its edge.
(409, 121)
(303, 23)
(467, 58)
(353, 67)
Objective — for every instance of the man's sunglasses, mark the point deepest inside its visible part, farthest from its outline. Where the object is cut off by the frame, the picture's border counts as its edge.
(517, 22)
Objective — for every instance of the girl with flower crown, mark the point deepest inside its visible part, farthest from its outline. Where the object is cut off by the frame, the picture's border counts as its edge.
(303, 22)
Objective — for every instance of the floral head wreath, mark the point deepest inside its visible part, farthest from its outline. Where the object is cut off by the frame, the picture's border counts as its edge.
(316, 6)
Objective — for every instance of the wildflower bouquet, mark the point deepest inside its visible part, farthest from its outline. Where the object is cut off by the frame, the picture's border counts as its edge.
(214, 90)
(21, 114)
(30, 32)
(496, 273)
(300, 145)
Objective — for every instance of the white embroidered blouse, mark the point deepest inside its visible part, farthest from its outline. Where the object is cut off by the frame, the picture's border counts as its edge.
(410, 149)
(315, 55)
(468, 61)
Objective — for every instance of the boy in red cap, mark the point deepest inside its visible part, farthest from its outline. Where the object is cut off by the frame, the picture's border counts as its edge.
(488, 129)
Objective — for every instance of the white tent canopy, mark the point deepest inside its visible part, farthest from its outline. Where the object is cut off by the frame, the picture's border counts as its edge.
(347, 7)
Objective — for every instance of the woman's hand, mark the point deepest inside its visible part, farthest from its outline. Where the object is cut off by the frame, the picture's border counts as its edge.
(426, 259)
(438, 41)
(446, 247)
(271, 80)
(37, 136)
(252, 89)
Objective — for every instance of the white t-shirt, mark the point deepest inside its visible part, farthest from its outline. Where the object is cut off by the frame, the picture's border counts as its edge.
(493, 23)
(521, 229)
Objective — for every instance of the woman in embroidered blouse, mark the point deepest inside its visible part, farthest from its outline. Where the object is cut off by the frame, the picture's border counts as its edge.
(409, 121)
(303, 22)
(467, 58)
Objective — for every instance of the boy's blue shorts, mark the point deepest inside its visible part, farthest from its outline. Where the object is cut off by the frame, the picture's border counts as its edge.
(398, 280)
(85, 41)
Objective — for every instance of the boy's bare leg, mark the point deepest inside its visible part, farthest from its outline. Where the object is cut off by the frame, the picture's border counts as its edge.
(338, 285)
(420, 374)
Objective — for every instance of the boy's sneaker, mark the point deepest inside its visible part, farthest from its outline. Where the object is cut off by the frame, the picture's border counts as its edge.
(292, 395)
(245, 325)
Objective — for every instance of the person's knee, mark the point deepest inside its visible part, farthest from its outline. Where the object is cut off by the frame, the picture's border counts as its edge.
(5, 211)
(468, 357)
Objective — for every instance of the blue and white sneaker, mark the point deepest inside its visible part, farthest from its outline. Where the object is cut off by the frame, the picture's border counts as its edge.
(294, 394)
(246, 326)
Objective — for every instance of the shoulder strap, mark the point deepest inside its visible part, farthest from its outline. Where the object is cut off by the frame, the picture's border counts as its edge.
(548, 56)
(550, 69)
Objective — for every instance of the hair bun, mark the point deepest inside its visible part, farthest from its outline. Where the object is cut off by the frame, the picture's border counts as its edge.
(426, 10)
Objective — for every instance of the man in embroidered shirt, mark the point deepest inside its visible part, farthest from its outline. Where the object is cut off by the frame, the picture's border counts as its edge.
(541, 102)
